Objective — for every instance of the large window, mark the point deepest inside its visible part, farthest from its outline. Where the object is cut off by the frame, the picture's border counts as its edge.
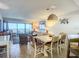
(28, 28)
(42, 26)
(0, 25)
(21, 28)
(12, 27)
(5, 26)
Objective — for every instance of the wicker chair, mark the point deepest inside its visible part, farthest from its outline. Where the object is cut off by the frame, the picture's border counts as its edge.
(38, 46)
(62, 41)
(23, 39)
(53, 45)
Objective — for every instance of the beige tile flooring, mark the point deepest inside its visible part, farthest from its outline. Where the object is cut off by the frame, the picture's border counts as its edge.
(26, 51)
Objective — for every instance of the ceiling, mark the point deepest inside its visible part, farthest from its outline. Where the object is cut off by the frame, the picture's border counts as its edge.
(36, 9)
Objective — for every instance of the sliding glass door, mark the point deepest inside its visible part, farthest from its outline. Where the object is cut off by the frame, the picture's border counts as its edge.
(28, 28)
(12, 27)
(42, 26)
(21, 28)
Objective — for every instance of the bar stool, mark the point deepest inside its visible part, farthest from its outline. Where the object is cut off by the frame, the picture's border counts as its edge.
(3, 51)
(4, 41)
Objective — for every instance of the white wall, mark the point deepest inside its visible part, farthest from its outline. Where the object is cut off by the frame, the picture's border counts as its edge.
(71, 28)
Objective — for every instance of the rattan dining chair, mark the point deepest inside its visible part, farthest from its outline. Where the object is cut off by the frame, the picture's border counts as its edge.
(51, 46)
(62, 41)
(38, 46)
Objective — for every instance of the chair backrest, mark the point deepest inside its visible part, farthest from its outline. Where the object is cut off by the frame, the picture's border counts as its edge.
(36, 42)
(64, 40)
(62, 37)
(22, 36)
(54, 38)
(23, 39)
(33, 41)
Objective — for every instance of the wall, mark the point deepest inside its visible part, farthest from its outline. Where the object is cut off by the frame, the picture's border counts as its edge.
(71, 28)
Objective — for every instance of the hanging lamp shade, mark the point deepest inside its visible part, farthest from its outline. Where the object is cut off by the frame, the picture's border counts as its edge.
(52, 17)
(51, 20)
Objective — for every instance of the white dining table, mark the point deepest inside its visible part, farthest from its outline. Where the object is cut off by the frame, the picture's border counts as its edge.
(45, 39)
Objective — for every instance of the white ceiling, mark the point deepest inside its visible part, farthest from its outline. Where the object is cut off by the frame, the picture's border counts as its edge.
(36, 9)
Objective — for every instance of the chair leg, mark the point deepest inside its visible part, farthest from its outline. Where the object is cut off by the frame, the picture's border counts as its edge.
(58, 50)
(45, 53)
(51, 53)
(35, 52)
(42, 50)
